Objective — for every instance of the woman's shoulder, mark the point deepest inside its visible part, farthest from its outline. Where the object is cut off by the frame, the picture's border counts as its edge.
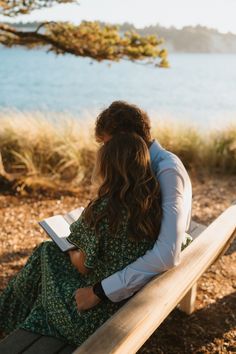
(98, 205)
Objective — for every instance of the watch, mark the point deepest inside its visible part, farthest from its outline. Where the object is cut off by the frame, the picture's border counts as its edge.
(99, 292)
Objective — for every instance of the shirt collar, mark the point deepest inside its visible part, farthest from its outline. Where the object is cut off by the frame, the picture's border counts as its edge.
(154, 151)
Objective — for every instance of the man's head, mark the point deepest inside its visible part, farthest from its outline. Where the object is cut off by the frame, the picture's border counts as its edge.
(122, 117)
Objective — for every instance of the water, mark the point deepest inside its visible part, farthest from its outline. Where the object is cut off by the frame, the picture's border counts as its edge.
(200, 88)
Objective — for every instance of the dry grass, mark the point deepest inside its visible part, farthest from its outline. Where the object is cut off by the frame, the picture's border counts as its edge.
(213, 151)
(39, 151)
(56, 152)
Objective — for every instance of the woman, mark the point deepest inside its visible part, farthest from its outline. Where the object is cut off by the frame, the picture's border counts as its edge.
(118, 226)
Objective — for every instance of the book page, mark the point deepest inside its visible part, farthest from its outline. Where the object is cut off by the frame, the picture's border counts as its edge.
(58, 224)
(73, 215)
(58, 229)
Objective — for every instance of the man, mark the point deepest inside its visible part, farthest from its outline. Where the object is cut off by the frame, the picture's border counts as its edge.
(176, 194)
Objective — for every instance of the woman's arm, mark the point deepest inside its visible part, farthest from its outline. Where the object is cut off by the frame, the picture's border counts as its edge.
(78, 258)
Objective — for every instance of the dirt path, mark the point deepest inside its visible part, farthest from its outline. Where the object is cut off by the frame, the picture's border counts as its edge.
(211, 329)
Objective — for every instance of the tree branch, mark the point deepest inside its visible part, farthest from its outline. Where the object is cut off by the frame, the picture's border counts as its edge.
(12, 8)
(89, 39)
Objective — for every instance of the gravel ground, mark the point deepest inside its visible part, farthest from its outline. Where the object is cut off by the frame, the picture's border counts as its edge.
(212, 327)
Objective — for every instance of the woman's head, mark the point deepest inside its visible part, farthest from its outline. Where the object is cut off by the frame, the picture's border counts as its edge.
(123, 117)
(123, 165)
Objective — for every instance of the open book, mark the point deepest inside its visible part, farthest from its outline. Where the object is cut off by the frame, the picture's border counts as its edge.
(58, 228)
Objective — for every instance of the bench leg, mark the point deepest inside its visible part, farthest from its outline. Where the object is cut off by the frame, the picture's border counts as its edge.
(187, 304)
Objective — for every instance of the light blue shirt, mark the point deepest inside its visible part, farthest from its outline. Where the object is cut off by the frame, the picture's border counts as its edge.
(176, 191)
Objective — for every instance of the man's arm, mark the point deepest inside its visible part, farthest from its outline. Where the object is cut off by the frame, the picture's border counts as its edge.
(163, 256)
(166, 251)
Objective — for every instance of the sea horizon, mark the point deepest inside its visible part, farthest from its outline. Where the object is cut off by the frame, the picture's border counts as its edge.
(197, 88)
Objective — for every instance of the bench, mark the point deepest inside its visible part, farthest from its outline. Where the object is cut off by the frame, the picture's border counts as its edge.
(127, 330)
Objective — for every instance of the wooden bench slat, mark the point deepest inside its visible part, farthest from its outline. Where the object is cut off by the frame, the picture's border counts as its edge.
(45, 345)
(18, 341)
(67, 350)
(187, 304)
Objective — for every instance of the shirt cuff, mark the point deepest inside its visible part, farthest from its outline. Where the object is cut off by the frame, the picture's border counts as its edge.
(113, 289)
(116, 288)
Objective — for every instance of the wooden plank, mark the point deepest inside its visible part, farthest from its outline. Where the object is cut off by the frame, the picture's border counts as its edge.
(226, 247)
(45, 345)
(133, 324)
(17, 341)
(67, 350)
(21, 341)
(187, 304)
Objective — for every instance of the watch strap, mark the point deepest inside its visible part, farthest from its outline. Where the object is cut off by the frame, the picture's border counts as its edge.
(98, 290)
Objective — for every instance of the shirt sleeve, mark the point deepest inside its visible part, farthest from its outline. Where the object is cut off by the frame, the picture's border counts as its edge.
(166, 251)
(84, 238)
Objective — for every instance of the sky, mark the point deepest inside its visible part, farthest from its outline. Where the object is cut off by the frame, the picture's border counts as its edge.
(219, 14)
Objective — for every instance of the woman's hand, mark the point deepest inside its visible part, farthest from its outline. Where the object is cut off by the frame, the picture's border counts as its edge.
(86, 299)
(77, 258)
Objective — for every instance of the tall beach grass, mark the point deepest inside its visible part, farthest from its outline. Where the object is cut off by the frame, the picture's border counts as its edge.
(57, 152)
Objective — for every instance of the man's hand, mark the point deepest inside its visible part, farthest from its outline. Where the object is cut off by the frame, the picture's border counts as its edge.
(86, 299)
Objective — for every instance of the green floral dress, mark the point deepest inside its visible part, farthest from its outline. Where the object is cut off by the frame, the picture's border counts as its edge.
(40, 298)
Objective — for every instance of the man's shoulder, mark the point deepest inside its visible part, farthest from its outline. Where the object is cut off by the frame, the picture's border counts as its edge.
(163, 159)
(169, 171)
(170, 160)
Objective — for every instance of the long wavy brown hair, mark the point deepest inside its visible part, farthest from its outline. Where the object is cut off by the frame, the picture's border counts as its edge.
(131, 189)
